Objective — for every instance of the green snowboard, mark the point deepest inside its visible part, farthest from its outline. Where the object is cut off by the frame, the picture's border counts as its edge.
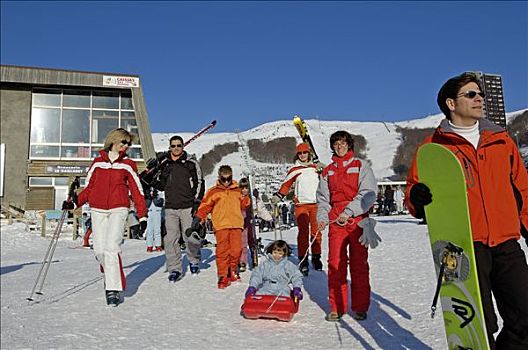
(449, 227)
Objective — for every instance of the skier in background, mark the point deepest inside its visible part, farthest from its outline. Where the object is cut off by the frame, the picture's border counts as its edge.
(346, 193)
(494, 173)
(399, 196)
(155, 207)
(389, 200)
(304, 175)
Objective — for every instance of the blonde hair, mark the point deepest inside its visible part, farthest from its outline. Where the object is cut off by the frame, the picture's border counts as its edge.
(116, 136)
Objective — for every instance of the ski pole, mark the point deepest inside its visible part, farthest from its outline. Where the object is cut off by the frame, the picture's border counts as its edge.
(48, 257)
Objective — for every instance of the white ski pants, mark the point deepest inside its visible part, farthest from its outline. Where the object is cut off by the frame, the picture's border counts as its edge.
(108, 228)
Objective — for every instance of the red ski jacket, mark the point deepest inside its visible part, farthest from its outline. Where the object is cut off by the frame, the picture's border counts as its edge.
(492, 171)
(108, 184)
(347, 185)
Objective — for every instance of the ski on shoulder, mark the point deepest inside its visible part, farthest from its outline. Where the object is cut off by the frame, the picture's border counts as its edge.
(302, 129)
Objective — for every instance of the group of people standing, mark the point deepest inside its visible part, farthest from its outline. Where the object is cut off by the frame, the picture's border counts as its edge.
(338, 197)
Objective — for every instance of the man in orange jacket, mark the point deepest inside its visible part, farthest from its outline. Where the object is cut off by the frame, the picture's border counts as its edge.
(495, 175)
(225, 202)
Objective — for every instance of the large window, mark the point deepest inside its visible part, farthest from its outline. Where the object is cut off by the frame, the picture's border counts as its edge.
(74, 123)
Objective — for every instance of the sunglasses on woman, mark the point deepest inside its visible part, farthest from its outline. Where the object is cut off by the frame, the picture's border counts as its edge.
(126, 143)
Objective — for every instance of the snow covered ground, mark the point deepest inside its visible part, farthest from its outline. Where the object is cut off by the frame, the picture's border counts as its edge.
(194, 314)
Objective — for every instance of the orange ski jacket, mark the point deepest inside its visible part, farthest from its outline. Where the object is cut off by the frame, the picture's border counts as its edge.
(492, 171)
(225, 205)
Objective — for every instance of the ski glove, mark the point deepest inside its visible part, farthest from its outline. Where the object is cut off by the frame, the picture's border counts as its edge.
(297, 293)
(143, 225)
(195, 226)
(251, 291)
(369, 236)
(196, 205)
(420, 196)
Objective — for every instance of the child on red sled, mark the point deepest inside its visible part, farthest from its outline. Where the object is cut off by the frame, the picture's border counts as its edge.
(275, 274)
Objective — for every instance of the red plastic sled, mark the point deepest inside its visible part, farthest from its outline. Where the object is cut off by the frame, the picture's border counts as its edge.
(269, 306)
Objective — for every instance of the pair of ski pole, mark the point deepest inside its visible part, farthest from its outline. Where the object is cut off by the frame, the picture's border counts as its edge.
(44, 268)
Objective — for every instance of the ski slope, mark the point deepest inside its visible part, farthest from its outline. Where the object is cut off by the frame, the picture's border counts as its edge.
(382, 140)
(194, 314)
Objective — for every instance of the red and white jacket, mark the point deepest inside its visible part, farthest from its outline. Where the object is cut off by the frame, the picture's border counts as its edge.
(108, 184)
(306, 180)
(347, 185)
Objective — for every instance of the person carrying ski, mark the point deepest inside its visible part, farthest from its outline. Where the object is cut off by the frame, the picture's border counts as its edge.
(346, 192)
(305, 176)
(110, 179)
(182, 182)
(225, 202)
(495, 175)
(276, 273)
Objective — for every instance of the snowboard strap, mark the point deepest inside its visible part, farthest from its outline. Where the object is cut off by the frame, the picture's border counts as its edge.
(438, 285)
(447, 252)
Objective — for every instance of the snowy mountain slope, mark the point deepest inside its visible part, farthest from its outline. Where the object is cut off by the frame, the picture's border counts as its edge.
(382, 139)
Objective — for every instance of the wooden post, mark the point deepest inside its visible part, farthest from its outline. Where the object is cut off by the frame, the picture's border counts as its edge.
(75, 224)
(9, 214)
(43, 226)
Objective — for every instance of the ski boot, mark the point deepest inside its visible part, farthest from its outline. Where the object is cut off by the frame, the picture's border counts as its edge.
(194, 268)
(360, 315)
(304, 267)
(316, 262)
(234, 276)
(333, 316)
(223, 282)
(112, 298)
(242, 267)
(175, 276)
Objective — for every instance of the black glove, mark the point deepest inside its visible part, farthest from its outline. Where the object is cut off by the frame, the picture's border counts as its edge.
(143, 226)
(195, 226)
(152, 163)
(420, 196)
(196, 205)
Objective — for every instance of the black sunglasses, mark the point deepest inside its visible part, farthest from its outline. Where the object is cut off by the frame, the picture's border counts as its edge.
(226, 179)
(472, 94)
(126, 142)
(178, 145)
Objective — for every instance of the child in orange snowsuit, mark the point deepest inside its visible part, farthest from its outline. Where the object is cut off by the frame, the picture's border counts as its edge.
(225, 201)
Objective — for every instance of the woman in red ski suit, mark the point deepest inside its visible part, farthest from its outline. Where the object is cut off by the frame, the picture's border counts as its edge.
(112, 177)
(347, 190)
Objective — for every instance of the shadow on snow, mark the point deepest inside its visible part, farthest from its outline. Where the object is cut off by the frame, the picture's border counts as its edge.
(385, 331)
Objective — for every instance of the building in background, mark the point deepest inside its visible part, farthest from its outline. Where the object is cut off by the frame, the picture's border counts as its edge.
(494, 101)
(54, 122)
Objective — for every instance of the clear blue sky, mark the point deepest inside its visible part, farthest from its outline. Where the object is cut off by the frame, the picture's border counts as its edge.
(246, 63)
